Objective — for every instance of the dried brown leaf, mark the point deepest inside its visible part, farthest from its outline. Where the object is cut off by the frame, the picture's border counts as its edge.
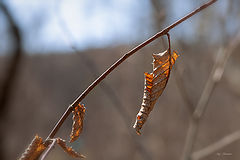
(155, 83)
(69, 150)
(34, 149)
(78, 116)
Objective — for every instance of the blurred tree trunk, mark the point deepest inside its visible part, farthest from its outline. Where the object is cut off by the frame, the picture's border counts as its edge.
(11, 74)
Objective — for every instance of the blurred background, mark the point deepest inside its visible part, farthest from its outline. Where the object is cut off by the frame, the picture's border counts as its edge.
(50, 51)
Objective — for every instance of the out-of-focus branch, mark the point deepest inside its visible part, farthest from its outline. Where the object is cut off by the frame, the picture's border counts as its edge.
(214, 78)
(15, 61)
(182, 89)
(12, 70)
(213, 148)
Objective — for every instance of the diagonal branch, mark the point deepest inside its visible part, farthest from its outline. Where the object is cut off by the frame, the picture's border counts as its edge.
(122, 59)
(214, 78)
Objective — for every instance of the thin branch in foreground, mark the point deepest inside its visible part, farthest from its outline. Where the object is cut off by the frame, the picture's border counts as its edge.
(214, 78)
(117, 63)
(212, 148)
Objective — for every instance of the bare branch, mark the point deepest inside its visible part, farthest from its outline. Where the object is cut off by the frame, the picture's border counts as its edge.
(122, 59)
(212, 148)
(169, 46)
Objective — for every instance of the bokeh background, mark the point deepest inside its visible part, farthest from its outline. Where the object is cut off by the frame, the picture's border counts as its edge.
(64, 45)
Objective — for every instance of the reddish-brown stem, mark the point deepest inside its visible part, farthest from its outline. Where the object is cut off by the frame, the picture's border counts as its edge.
(169, 50)
(169, 42)
(118, 62)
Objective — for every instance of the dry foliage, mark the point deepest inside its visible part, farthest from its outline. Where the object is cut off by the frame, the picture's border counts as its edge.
(78, 116)
(34, 150)
(155, 83)
(37, 146)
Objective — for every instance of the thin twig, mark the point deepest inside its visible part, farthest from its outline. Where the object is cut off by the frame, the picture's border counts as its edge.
(170, 54)
(214, 78)
(117, 63)
(50, 147)
(212, 148)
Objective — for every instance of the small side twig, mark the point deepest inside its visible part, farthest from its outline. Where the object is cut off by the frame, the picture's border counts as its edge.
(212, 148)
(169, 46)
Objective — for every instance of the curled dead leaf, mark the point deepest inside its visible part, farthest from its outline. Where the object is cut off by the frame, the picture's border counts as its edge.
(78, 116)
(155, 83)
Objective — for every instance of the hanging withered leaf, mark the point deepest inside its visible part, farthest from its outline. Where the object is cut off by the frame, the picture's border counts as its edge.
(155, 83)
(34, 150)
(78, 116)
(69, 150)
